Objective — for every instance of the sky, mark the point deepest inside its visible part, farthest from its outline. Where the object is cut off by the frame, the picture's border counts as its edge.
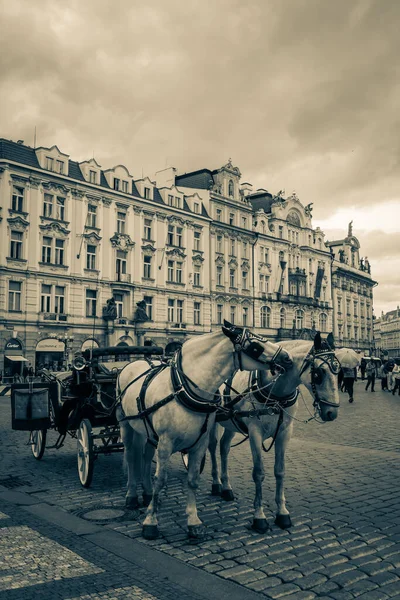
(302, 95)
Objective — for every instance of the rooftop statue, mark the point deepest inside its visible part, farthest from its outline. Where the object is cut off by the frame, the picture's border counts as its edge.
(350, 232)
(308, 209)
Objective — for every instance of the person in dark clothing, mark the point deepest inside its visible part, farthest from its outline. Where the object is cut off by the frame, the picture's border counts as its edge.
(25, 372)
(371, 375)
(362, 368)
(340, 380)
(349, 375)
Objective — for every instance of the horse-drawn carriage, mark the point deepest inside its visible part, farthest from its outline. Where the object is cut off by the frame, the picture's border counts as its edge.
(80, 403)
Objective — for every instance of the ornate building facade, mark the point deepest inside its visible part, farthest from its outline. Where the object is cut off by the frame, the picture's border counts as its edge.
(387, 334)
(352, 294)
(98, 257)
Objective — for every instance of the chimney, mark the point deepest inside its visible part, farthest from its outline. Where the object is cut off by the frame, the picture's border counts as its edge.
(246, 188)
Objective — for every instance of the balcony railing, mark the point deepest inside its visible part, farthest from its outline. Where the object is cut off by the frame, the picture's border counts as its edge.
(60, 317)
(123, 277)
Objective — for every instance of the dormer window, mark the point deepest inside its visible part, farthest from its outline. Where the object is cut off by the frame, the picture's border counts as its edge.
(146, 193)
(92, 177)
(116, 184)
(49, 163)
(125, 187)
(170, 200)
(177, 202)
(60, 167)
(196, 207)
(231, 189)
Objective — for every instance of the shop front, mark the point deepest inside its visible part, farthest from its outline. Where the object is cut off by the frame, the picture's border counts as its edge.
(50, 354)
(14, 360)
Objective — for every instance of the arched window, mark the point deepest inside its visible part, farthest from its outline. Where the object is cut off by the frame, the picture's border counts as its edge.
(262, 226)
(299, 319)
(230, 188)
(265, 317)
(323, 321)
(282, 316)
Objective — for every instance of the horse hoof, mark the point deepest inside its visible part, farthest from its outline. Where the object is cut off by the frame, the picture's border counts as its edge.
(216, 489)
(132, 503)
(150, 532)
(227, 495)
(147, 498)
(260, 525)
(283, 521)
(196, 532)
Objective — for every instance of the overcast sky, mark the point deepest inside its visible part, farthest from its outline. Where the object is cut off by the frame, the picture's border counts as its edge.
(303, 95)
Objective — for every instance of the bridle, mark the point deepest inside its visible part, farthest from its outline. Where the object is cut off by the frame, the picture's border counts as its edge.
(248, 343)
(328, 357)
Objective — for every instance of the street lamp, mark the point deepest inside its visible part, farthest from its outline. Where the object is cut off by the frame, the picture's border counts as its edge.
(67, 340)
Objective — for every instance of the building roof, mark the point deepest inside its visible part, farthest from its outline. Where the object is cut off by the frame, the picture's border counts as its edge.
(202, 179)
(261, 200)
(18, 153)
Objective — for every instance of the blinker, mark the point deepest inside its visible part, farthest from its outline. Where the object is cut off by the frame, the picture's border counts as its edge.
(254, 350)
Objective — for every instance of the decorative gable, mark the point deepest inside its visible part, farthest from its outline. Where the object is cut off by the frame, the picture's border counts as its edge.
(119, 179)
(52, 159)
(91, 171)
(145, 188)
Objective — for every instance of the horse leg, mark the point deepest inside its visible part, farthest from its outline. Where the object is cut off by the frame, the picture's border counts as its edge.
(196, 528)
(147, 483)
(212, 447)
(150, 524)
(259, 522)
(132, 462)
(282, 515)
(225, 446)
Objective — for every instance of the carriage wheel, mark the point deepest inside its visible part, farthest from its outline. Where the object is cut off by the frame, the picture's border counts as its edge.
(85, 453)
(37, 441)
(185, 460)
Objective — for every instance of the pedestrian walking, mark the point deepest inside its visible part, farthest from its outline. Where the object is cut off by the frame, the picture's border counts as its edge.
(362, 368)
(396, 377)
(384, 377)
(349, 375)
(371, 375)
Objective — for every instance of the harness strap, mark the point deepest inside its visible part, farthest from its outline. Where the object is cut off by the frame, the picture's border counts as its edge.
(280, 420)
(202, 432)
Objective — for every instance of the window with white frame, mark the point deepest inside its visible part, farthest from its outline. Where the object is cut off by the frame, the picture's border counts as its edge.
(282, 318)
(197, 240)
(323, 321)
(196, 275)
(49, 163)
(175, 236)
(245, 316)
(116, 184)
(59, 252)
(177, 202)
(17, 199)
(245, 248)
(48, 206)
(231, 218)
(218, 214)
(170, 273)
(149, 306)
(179, 237)
(120, 263)
(125, 186)
(119, 304)
(179, 311)
(14, 296)
(91, 303)
(147, 229)
(45, 298)
(179, 268)
(232, 314)
(233, 247)
(92, 177)
(91, 216)
(232, 277)
(146, 192)
(264, 283)
(47, 244)
(245, 280)
(265, 317)
(60, 166)
(147, 267)
(220, 280)
(220, 312)
(196, 207)
(299, 319)
(170, 200)
(171, 310)
(59, 299)
(91, 251)
(121, 221)
(197, 313)
(219, 244)
(16, 240)
(171, 235)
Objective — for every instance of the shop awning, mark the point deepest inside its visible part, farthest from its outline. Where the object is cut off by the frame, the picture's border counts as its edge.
(17, 358)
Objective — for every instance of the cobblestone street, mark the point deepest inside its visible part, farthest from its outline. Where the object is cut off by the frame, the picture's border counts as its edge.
(342, 488)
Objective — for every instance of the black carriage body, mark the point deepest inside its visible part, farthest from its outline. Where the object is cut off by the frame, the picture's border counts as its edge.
(30, 406)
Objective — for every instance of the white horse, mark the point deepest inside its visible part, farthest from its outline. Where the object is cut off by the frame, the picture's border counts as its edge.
(265, 408)
(176, 410)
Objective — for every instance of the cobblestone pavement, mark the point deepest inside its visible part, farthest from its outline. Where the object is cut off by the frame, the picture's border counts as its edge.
(342, 489)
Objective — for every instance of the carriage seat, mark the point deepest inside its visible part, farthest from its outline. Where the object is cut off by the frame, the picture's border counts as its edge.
(111, 368)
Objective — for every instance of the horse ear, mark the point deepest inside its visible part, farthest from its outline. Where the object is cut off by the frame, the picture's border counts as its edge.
(228, 330)
(227, 324)
(331, 341)
(317, 341)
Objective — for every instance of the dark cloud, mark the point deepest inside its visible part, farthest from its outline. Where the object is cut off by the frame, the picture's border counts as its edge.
(302, 94)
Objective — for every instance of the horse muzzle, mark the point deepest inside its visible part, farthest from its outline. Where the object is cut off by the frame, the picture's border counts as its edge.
(328, 411)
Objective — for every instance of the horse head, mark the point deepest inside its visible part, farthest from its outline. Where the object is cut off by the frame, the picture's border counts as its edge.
(324, 369)
(253, 352)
